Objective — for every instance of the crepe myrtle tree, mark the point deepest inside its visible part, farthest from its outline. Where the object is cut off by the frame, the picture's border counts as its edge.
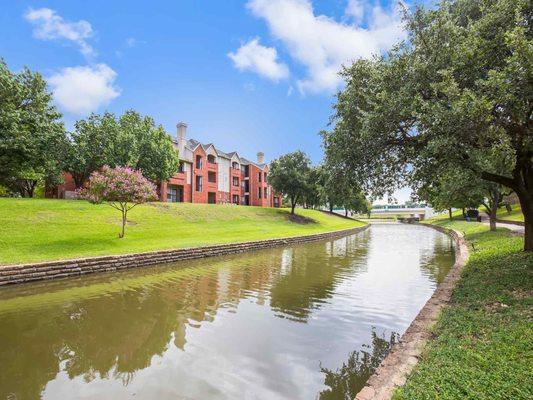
(458, 91)
(121, 187)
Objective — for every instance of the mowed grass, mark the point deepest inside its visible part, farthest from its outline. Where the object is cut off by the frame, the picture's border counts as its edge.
(482, 346)
(514, 215)
(44, 229)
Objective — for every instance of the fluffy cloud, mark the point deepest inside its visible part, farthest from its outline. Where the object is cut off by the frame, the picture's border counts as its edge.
(50, 26)
(356, 10)
(321, 44)
(254, 57)
(83, 89)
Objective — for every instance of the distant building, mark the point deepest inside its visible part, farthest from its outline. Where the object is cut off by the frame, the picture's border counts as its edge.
(207, 175)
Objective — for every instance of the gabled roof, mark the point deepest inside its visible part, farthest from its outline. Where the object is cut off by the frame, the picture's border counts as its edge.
(192, 144)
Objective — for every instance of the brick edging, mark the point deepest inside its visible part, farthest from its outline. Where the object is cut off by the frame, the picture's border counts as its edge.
(397, 365)
(12, 274)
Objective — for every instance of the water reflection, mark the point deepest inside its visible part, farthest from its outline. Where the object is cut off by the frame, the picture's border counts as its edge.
(345, 382)
(253, 325)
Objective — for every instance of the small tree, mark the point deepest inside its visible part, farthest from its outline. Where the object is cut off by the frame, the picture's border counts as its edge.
(289, 175)
(122, 188)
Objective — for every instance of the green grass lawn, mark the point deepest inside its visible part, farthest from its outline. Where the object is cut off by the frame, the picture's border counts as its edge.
(514, 215)
(482, 346)
(45, 229)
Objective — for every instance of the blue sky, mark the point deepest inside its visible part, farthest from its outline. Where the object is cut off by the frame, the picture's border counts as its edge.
(250, 76)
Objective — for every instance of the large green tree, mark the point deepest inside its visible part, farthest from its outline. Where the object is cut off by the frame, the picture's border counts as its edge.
(32, 137)
(92, 146)
(289, 174)
(458, 91)
(130, 140)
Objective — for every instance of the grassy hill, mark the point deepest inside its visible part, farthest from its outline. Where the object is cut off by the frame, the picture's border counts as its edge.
(44, 229)
(514, 215)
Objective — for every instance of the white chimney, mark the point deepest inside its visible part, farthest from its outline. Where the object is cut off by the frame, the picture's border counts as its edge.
(260, 157)
(181, 136)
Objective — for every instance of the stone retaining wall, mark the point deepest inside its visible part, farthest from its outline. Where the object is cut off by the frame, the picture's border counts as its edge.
(395, 368)
(12, 274)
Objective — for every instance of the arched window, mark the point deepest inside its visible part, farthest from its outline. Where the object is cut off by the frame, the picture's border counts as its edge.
(211, 159)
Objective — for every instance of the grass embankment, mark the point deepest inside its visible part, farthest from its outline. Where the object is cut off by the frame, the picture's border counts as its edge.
(43, 229)
(514, 215)
(483, 342)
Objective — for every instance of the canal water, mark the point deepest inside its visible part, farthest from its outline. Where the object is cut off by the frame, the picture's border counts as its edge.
(307, 321)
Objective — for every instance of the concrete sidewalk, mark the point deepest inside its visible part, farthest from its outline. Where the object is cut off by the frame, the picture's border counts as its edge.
(512, 227)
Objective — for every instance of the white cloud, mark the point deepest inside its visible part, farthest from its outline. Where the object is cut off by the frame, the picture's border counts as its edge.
(83, 89)
(131, 42)
(50, 26)
(356, 10)
(262, 60)
(321, 44)
(289, 91)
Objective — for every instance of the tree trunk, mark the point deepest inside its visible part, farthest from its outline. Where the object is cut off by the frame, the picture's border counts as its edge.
(450, 213)
(526, 203)
(330, 207)
(79, 179)
(31, 188)
(346, 212)
(494, 209)
(464, 212)
(124, 220)
(522, 184)
(293, 204)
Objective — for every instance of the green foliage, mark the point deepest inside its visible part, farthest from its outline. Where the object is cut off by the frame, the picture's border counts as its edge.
(4, 192)
(32, 137)
(351, 377)
(315, 181)
(130, 140)
(458, 92)
(483, 340)
(339, 191)
(289, 174)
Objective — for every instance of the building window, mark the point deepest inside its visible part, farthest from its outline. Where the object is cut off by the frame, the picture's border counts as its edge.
(265, 191)
(199, 163)
(212, 177)
(258, 193)
(181, 167)
(211, 159)
(235, 165)
(199, 183)
(259, 176)
(235, 181)
(265, 177)
(172, 194)
(235, 199)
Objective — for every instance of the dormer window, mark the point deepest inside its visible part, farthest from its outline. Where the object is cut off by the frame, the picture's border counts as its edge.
(181, 167)
(235, 165)
(211, 159)
(199, 162)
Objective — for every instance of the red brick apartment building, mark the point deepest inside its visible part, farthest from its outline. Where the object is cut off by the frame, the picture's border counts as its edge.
(208, 175)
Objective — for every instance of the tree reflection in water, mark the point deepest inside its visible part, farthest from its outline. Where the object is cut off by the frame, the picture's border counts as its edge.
(345, 382)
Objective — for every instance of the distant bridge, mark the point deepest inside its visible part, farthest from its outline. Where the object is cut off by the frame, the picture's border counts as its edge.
(417, 211)
(420, 211)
